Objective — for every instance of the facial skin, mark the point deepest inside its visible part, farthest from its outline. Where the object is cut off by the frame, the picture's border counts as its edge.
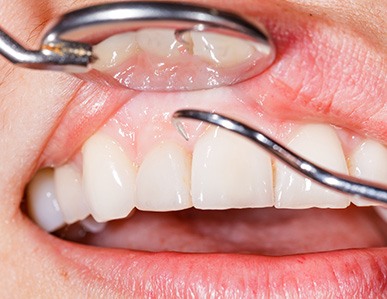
(32, 105)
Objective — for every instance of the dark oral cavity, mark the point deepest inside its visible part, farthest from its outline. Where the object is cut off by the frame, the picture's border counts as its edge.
(268, 231)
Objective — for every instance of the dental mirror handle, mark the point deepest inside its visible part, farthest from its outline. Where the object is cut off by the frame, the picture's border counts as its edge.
(55, 56)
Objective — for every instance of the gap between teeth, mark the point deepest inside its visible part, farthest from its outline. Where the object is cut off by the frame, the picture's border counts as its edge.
(224, 171)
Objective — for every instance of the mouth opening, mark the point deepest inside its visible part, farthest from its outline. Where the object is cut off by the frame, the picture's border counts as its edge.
(232, 201)
(267, 231)
(238, 225)
(140, 133)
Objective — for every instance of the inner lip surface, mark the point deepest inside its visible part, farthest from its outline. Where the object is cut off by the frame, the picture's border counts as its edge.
(263, 231)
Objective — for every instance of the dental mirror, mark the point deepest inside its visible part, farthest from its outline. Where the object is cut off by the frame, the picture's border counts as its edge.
(156, 46)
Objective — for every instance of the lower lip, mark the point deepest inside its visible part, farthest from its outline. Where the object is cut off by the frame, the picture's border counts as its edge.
(357, 273)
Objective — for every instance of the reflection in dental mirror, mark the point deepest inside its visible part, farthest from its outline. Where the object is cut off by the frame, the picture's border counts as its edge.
(167, 60)
(163, 46)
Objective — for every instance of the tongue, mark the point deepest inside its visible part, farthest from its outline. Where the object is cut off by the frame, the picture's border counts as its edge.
(256, 231)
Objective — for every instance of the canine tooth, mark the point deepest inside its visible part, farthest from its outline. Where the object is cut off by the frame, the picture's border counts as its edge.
(70, 196)
(108, 178)
(230, 172)
(163, 180)
(321, 145)
(221, 50)
(42, 203)
(369, 161)
(161, 42)
(114, 50)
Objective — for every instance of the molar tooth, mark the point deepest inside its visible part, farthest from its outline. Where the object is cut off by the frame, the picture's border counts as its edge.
(108, 178)
(319, 144)
(114, 50)
(369, 161)
(70, 196)
(221, 50)
(160, 42)
(230, 172)
(42, 203)
(163, 180)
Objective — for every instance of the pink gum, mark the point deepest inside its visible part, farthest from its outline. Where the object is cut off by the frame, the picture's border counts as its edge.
(145, 121)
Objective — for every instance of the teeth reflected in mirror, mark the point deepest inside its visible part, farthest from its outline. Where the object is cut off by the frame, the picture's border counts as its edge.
(159, 42)
(125, 46)
(223, 51)
(159, 59)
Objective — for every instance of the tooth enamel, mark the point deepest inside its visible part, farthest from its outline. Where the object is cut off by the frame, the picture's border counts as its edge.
(160, 42)
(230, 172)
(108, 178)
(369, 161)
(221, 50)
(42, 203)
(70, 196)
(124, 45)
(319, 144)
(163, 180)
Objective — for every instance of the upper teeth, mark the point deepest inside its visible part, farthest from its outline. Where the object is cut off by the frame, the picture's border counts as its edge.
(108, 178)
(70, 195)
(43, 205)
(227, 172)
(211, 47)
(163, 179)
(322, 146)
(365, 162)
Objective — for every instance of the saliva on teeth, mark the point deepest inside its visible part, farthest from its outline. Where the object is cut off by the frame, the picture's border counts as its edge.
(223, 171)
(197, 60)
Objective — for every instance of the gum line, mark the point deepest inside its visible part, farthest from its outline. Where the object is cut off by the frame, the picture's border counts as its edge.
(143, 123)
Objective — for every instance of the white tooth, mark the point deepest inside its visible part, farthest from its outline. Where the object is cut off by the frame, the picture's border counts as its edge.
(160, 42)
(163, 180)
(42, 203)
(369, 161)
(70, 195)
(114, 50)
(319, 144)
(230, 172)
(108, 178)
(221, 50)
